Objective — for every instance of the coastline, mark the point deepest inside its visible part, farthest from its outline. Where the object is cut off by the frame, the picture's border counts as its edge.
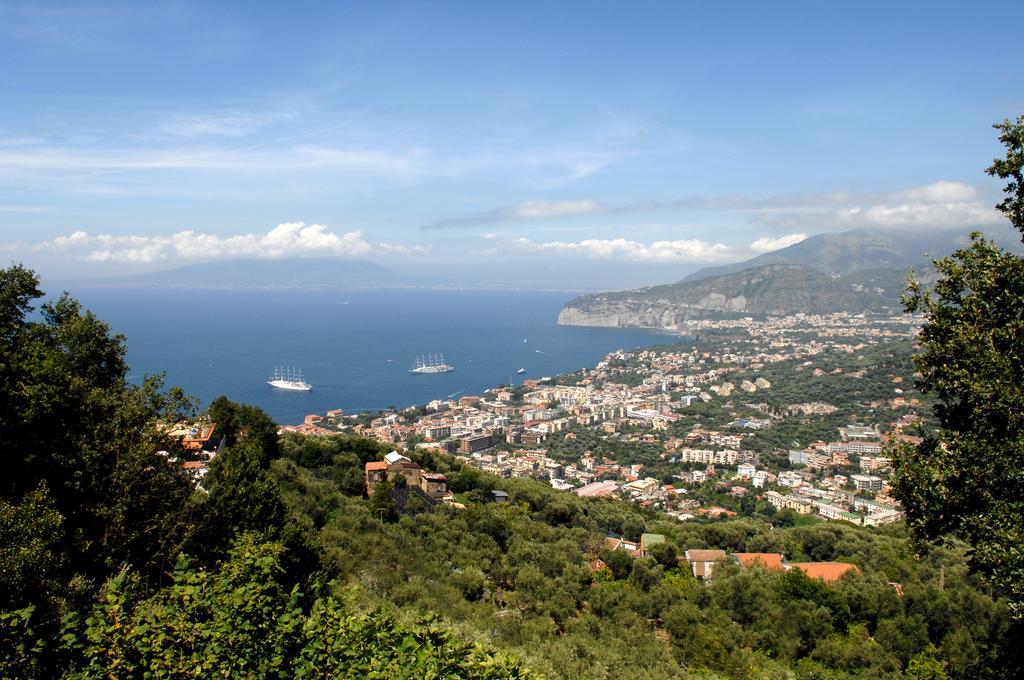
(545, 380)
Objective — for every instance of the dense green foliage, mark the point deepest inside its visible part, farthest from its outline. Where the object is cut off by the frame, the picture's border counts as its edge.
(246, 620)
(517, 575)
(969, 481)
(113, 565)
(282, 567)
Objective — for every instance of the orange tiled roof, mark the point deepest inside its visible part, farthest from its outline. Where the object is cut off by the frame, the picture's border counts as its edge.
(376, 465)
(766, 560)
(826, 571)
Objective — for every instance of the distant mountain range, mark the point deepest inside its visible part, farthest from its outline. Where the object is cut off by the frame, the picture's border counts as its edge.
(864, 249)
(853, 271)
(256, 274)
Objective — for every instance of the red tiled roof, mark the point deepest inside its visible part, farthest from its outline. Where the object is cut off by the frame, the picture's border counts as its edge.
(826, 571)
(763, 560)
(376, 465)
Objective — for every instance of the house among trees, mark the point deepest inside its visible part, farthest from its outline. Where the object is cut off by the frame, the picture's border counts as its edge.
(199, 440)
(434, 485)
(614, 543)
(496, 496)
(376, 472)
(634, 548)
(195, 436)
(648, 541)
(830, 572)
(200, 437)
(702, 562)
(396, 465)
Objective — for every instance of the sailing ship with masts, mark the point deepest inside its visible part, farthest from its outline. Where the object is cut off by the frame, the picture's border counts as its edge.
(431, 363)
(288, 378)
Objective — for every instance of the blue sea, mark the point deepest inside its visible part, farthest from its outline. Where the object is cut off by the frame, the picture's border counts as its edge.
(355, 348)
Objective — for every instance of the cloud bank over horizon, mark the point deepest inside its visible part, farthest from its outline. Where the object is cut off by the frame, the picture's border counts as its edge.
(289, 239)
(297, 239)
(683, 251)
(939, 204)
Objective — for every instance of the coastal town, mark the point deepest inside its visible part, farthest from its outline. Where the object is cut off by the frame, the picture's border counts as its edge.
(793, 415)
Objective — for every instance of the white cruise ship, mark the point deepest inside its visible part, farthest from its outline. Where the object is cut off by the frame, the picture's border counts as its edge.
(289, 379)
(431, 363)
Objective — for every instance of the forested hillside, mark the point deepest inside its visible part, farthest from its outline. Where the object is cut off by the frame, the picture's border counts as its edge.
(112, 564)
(778, 289)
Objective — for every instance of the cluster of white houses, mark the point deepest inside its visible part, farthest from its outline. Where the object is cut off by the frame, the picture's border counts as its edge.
(865, 512)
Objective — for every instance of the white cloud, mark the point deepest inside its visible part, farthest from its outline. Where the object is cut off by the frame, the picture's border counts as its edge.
(292, 239)
(937, 192)
(683, 250)
(766, 244)
(939, 204)
(906, 216)
(918, 215)
(677, 251)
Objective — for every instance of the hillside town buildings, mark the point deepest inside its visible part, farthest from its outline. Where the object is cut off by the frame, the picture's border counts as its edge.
(702, 414)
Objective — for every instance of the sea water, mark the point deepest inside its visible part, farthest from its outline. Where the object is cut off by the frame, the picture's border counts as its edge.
(355, 348)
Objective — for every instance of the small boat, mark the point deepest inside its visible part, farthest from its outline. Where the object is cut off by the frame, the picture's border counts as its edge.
(521, 370)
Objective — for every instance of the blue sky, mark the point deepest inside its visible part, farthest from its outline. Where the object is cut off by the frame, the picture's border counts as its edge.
(592, 143)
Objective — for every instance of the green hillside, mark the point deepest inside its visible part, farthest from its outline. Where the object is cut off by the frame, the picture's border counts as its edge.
(112, 564)
(778, 289)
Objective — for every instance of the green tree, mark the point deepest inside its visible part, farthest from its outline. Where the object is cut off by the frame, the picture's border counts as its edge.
(619, 562)
(1011, 169)
(224, 412)
(969, 480)
(903, 636)
(664, 554)
(245, 620)
(242, 497)
(31, 533)
(69, 418)
(383, 504)
(927, 665)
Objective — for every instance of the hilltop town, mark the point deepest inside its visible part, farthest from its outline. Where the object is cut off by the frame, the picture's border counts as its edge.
(789, 414)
